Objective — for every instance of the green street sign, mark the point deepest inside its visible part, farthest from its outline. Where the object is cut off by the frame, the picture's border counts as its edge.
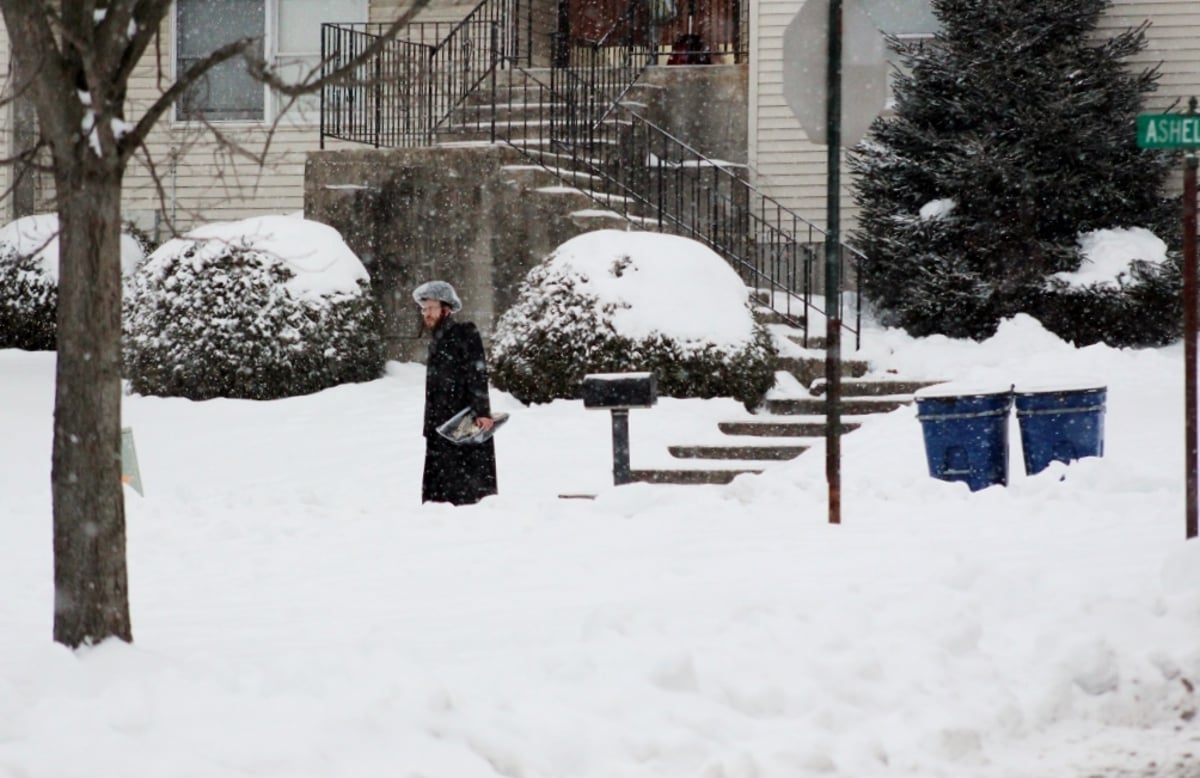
(1168, 131)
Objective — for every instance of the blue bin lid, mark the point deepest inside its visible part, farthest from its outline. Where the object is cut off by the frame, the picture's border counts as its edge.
(1073, 386)
(962, 389)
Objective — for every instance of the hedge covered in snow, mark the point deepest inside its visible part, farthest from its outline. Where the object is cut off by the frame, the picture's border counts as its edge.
(29, 280)
(1128, 292)
(613, 301)
(263, 308)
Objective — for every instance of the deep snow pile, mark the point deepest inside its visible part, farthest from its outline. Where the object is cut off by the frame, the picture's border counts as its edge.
(298, 612)
(29, 280)
(605, 302)
(268, 307)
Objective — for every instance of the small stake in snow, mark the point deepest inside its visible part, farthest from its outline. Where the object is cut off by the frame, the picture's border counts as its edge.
(1182, 131)
(129, 463)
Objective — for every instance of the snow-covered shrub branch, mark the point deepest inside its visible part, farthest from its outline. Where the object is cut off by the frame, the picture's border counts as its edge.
(261, 309)
(29, 249)
(615, 301)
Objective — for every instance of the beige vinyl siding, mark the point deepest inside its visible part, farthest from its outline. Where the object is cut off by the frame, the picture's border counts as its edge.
(437, 11)
(792, 170)
(1173, 40)
(43, 183)
(6, 124)
(1173, 43)
(210, 181)
(785, 165)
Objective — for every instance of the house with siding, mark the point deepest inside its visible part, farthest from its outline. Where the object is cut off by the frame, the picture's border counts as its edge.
(197, 178)
(203, 162)
(786, 165)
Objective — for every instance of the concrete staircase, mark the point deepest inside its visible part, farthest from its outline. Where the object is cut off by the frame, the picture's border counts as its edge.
(789, 422)
(785, 426)
(522, 107)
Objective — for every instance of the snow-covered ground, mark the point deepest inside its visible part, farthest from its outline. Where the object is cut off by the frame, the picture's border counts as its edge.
(298, 612)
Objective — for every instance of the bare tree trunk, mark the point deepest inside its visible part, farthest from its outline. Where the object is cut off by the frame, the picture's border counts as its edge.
(76, 65)
(90, 584)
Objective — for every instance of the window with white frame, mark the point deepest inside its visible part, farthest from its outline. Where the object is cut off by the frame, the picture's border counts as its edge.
(288, 32)
(298, 45)
(226, 92)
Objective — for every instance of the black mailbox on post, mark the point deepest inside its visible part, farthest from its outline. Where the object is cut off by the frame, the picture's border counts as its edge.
(619, 390)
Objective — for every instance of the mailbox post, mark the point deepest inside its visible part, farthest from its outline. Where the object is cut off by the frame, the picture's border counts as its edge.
(618, 392)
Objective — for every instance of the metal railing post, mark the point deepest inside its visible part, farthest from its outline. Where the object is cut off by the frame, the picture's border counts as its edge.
(378, 97)
(324, 72)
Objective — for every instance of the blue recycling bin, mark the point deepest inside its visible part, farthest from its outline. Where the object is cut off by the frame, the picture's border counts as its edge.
(1060, 425)
(966, 436)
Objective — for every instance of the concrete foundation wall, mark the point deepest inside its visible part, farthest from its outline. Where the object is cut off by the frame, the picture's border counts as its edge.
(480, 216)
(456, 214)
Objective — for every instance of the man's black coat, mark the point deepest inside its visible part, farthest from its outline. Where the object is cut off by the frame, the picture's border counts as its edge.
(456, 377)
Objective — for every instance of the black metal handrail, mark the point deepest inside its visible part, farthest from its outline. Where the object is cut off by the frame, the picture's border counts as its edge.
(388, 100)
(580, 128)
(419, 79)
(638, 170)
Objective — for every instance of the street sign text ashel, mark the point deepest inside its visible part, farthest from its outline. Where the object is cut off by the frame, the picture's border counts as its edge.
(1168, 131)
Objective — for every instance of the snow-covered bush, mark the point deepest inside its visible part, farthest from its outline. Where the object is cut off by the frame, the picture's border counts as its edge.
(612, 301)
(263, 308)
(1127, 292)
(29, 280)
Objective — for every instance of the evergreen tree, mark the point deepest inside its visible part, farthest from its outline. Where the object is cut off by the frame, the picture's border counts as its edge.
(1014, 132)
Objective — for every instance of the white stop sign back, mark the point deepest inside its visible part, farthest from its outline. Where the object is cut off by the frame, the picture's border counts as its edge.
(864, 70)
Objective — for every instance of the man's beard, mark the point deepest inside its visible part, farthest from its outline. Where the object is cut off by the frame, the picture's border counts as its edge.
(443, 316)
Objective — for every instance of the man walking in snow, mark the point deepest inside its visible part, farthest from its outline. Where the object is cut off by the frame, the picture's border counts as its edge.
(455, 378)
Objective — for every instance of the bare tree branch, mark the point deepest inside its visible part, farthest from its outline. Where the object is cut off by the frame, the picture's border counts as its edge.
(137, 136)
(259, 69)
(147, 17)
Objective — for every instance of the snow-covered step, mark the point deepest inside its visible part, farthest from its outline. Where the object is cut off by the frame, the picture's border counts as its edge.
(598, 219)
(782, 427)
(689, 476)
(873, 387)
(854, 406)
(767, 452)
(569, 173)
(809, 369)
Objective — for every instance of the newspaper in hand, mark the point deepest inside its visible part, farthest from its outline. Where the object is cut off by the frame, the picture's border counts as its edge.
(462, 429)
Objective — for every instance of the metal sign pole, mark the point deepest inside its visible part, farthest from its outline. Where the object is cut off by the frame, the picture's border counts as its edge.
(1189, 327)
(833, 306)
(1182, 131)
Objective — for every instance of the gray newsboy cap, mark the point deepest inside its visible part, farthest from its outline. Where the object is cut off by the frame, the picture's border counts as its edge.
(440, 291)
